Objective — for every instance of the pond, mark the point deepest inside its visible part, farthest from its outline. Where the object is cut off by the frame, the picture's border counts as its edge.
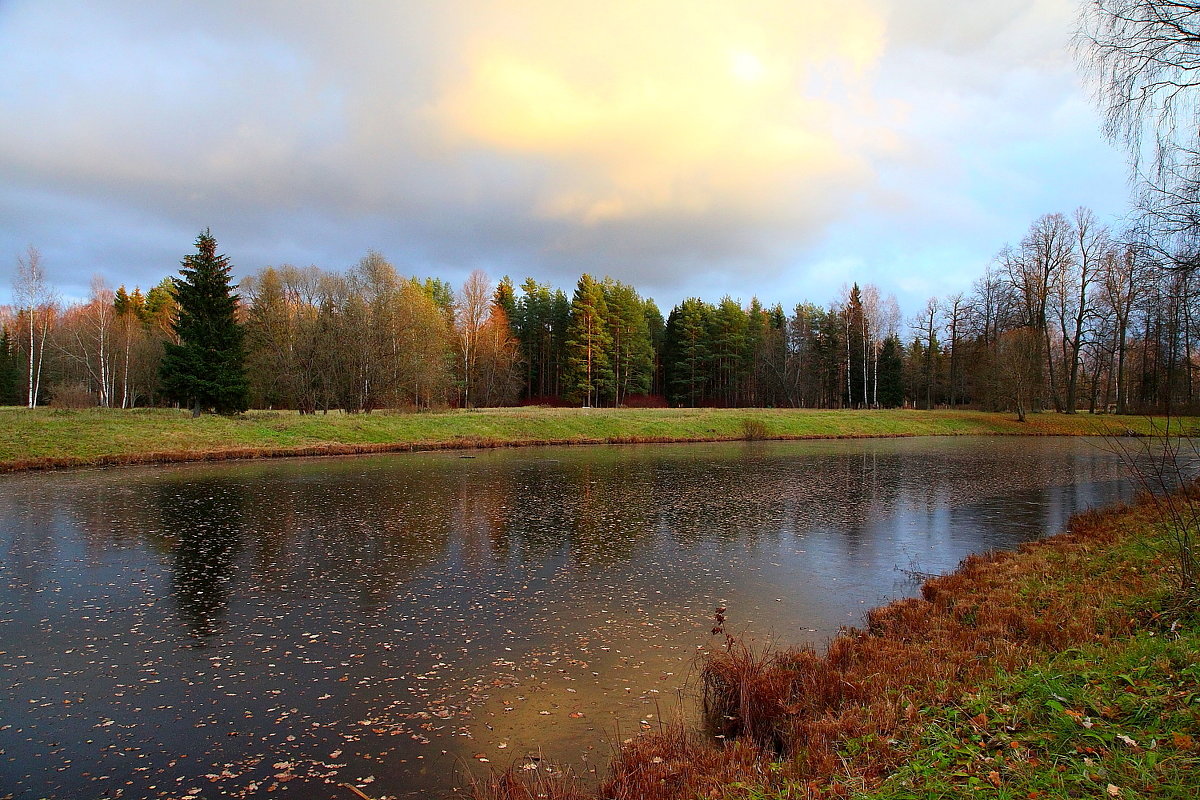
(397, 622)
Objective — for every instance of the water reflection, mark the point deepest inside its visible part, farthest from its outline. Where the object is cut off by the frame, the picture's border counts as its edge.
(416, 613)
(209, 520)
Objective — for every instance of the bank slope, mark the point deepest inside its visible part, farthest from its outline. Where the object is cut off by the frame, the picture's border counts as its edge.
(51, 438)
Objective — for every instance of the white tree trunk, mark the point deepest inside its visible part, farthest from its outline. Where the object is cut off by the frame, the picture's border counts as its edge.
(32, 385)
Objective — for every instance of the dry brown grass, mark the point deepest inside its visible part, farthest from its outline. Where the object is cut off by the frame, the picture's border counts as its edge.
(674, 763)
(534, 783)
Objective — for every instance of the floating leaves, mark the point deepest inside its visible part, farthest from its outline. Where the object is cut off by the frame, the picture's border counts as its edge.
(255, 628)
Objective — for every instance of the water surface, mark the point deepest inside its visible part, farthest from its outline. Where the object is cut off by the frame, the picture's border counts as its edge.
(392, 622)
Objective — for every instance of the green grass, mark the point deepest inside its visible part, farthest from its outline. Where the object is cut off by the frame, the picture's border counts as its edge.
(1113, 719)
(61, 437)
(1116, 721)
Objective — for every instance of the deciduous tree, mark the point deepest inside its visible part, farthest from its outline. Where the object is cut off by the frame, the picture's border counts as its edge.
(34, 297)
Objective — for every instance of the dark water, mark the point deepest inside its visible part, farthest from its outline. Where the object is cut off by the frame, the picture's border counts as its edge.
(391, 622)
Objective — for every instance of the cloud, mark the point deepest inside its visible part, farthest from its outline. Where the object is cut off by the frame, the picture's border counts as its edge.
(678, 145)
(651, 110)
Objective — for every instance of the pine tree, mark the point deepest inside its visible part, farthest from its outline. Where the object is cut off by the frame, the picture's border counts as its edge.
(506, 298)
(588, 347)
(159, 311)
(758, 336)
(686, 352)
(206, 370)
(632, 351)
(559, 315)
(727, 336)
(656, 326)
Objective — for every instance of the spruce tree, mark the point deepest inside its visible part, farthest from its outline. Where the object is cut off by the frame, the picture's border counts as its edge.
(657, 327)
(857, 387)
(891, 373)
(206, 370)
(10, 371)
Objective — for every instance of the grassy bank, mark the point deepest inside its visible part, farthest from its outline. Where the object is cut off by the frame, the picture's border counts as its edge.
(1066, 669)
(1121, 720)
(48, 438)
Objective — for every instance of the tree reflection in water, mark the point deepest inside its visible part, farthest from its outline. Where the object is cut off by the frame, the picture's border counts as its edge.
(208, 518)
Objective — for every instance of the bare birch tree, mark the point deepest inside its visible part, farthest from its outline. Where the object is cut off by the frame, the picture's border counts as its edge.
(87, 339)
(35, 298)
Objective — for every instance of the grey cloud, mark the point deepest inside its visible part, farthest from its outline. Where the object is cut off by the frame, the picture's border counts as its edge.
(306, 133)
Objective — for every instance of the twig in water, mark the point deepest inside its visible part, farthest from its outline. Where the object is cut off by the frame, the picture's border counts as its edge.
(356, 791)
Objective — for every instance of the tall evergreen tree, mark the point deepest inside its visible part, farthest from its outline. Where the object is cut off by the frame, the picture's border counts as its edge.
(560, 321)
(206, 369)
(589, 345)
(758, 336)
(686, 352)
(891, 373)
(656, 326)
(857, 389)
(506, 298)
(159, 310)
(727, 340)
(10, 371)
(539, 321)
(632, 350)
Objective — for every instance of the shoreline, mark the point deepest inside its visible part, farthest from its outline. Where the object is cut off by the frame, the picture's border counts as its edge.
(54, 463)
(50, 439)
(1012, 673)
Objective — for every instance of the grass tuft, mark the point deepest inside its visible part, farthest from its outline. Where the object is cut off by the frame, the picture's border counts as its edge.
(754, 429)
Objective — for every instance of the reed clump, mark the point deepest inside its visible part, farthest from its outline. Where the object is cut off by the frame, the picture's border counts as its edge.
(530, 781)
(676, 763)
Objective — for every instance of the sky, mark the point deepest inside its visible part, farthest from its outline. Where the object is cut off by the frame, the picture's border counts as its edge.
(691, 148)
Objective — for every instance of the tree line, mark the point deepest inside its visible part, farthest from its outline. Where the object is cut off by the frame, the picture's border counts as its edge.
(1072, 317)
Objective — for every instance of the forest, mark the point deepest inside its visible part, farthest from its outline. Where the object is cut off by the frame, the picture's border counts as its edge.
(1073, 317)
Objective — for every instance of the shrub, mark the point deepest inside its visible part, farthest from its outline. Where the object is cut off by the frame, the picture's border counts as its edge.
(754, 429)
